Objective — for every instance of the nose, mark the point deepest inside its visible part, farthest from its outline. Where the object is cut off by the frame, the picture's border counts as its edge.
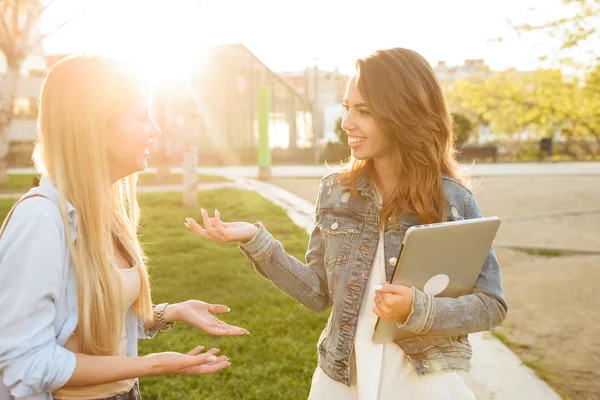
(347, 122)
(154, 130)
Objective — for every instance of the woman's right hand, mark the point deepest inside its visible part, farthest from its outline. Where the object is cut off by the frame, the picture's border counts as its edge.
(192, 363)
(220, 231)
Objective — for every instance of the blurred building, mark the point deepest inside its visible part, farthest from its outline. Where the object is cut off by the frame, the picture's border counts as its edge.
(224, 91)
(22, 132)
(324, 90)
(470, 69)
(224, 86)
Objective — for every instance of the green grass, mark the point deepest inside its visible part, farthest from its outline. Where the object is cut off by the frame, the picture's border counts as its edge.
(277, 359)
(502, 337)
(18, 182)
(543, 252)
(147, 178)
(25, 181)
(540, 369)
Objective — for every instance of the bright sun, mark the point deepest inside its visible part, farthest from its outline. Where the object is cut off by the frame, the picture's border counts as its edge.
(161, 39)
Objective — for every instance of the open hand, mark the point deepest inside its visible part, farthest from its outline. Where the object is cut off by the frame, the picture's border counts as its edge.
(200, 314)
(220, 231)
(192, 363)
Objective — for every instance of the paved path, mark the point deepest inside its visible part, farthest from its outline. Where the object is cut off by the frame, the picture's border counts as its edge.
(144, 189)
(314, 171)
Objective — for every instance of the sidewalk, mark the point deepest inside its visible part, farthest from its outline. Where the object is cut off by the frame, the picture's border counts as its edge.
(142, 189)
(497, 373)
(318, 171)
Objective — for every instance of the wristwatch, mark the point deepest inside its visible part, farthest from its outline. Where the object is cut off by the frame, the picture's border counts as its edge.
(159, 318)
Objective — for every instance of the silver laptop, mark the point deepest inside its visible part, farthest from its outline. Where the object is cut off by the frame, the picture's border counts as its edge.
(443, 259)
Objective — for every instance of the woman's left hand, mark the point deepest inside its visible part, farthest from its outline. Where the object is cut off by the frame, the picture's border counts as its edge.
(200, 314)
(393, 302)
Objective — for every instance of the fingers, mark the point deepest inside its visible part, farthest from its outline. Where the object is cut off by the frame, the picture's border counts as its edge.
(223, 329)
(217, 219)
(210, 229)
(207, 225)
(392, 289)
(377, 312)
(195, 351)
(217, 365)
(194, 226)
(218, 309)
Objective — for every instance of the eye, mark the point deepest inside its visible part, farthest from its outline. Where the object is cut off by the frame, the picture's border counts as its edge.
(346, 108)
(363, 113)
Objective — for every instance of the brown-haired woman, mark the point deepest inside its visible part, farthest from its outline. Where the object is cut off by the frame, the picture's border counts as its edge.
(402, 172)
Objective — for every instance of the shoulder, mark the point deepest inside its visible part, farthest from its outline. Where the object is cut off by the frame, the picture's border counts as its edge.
(330, 185)
(332, 178)
(454, 190)
(35, 215)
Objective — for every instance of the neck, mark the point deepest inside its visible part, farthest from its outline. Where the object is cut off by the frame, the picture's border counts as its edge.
(385, 176)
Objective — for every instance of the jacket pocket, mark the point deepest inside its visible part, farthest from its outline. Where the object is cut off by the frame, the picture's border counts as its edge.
(340, 232)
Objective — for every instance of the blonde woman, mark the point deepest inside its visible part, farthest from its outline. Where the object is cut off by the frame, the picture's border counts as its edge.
(74, 289)
(402, 173)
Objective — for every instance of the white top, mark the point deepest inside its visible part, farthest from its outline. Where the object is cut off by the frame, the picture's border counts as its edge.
(382, 371)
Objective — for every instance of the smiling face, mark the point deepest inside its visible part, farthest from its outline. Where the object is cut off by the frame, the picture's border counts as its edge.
(130, 139)
(365, 137)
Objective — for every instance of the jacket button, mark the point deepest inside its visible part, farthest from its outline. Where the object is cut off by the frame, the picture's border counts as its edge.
(393, 261)
(454, 212)
(425, 364)
(345, 197)
(334, 226)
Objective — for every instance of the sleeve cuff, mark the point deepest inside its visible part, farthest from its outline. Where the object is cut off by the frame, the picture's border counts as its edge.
(260, 246)
(420, 319)
(146, 333)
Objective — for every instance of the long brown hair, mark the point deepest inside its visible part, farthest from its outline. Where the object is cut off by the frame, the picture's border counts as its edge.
(408, 103)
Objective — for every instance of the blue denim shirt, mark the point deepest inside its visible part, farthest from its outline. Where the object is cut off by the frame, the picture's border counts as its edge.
(38, 298)
(340, 255)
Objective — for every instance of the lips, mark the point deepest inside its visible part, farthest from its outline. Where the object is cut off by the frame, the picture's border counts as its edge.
(146, 149)
(355, 141)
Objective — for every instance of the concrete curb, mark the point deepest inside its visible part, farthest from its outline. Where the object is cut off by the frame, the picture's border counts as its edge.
(496, 374)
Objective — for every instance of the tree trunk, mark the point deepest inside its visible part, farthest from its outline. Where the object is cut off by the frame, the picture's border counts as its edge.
(190, 163)
(163, 159)
(7, 101)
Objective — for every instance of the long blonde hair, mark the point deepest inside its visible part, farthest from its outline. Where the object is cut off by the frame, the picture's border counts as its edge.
(80, 97)
(408, 103)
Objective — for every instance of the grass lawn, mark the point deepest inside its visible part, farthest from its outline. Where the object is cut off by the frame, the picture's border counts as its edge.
(277, 359)
(25, 181)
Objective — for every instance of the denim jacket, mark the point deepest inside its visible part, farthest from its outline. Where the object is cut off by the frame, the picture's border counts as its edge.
(38, 298)
(340, 255)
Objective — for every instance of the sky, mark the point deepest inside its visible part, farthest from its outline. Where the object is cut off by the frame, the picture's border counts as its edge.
(292, 35)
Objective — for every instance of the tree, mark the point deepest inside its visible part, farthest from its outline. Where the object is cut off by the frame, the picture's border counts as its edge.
(336, 151)
(341, 133)
(580, 29)
(18, 38)
(462, 128)
(178, 113)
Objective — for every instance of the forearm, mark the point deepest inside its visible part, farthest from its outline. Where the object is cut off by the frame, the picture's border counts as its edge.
(452, 317)
(306, 283)
(95, 370)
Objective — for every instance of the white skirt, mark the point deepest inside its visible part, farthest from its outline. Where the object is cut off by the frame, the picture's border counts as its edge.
(398, 381)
